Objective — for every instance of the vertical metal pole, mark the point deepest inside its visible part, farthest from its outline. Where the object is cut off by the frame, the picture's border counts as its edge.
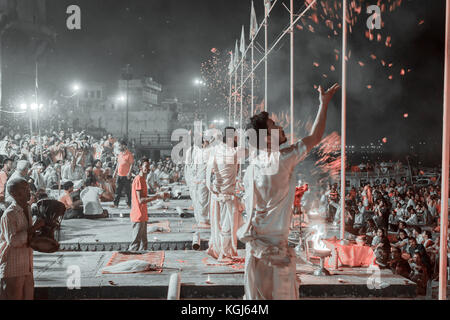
(266, 12)
(292, 72)
(126, 120)
(344, 114)
(30, 119)
(229, 102)
(38, 111)
(253, 78)
(445, 166)
(235, 96)
(242, 92)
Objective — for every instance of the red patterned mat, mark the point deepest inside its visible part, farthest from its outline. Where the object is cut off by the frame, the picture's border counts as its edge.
(154, 257)
(163, 224)
(236, 263)
(201, 226)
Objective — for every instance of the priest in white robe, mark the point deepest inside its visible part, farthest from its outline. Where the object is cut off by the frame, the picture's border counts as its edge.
(269, 182)
(225, 208)
(201, 203)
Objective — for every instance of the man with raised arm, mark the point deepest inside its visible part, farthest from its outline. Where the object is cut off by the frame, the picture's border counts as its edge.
(270, 268)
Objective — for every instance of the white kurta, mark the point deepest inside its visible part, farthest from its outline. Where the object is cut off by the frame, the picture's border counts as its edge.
(270, 269)
(201, 203)
(225, 208)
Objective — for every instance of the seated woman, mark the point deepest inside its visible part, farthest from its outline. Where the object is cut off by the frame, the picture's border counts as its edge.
(97, 170)
(370, 230)
(402, 242)
(381, 248)
(108, 187)
(72, 201)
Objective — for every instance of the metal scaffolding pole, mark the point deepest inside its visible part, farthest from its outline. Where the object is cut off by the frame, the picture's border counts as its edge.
(343, 114)
(443, 281)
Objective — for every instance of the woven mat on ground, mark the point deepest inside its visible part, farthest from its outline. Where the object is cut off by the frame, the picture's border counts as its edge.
(236, 263)
(156, 227)
(154, 257)
(201, 226)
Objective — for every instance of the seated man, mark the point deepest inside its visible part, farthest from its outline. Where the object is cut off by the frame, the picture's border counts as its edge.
(414, 247)
(72, 201)
(90, 197)
(393, 221)
(397, 264)
(419, 272)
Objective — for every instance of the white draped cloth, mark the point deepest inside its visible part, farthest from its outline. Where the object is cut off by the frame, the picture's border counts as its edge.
(188, 172)
(225, 208)
(201, 203)
(270, 269)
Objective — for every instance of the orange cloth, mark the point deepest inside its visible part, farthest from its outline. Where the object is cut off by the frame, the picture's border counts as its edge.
(66, 199)
(125, 160)
(139, 212)
(350, 255)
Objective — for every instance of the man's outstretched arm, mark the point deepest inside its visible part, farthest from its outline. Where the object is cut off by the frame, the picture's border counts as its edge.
(319, 124)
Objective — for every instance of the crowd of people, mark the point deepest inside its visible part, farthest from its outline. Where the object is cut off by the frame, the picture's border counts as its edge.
(401, 222)
(76, 169)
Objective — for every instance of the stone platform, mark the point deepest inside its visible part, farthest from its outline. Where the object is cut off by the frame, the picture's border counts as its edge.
(114, 233)
(51, 277)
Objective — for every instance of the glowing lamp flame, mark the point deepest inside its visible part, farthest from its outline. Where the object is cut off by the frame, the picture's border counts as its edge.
(319, 245)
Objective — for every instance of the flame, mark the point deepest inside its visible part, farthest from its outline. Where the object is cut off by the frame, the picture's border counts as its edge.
(316, 238)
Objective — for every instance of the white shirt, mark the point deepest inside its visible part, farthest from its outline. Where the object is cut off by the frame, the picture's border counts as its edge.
(272, 196)
(90, 196)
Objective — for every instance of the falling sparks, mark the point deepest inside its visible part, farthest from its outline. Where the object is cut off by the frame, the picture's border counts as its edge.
(315, 64)
(361, 63)
(391, 77)
(332, 68)
(213, 50)
(369, 86)
(421, 22)
(402, 72)
(384, 140)
(405, 115)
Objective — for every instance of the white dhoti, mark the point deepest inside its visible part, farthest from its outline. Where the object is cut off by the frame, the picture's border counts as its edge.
(225, 207)
(272, 276)
(201, 203)
(225, 219)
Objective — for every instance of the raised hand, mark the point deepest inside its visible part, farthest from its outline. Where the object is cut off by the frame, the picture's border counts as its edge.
(325, 97)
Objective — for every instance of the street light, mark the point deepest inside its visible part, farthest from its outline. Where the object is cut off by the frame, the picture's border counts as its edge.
(76, 87)
(199, 83)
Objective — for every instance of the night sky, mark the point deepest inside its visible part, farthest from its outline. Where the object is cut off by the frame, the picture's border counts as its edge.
(169, 39)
